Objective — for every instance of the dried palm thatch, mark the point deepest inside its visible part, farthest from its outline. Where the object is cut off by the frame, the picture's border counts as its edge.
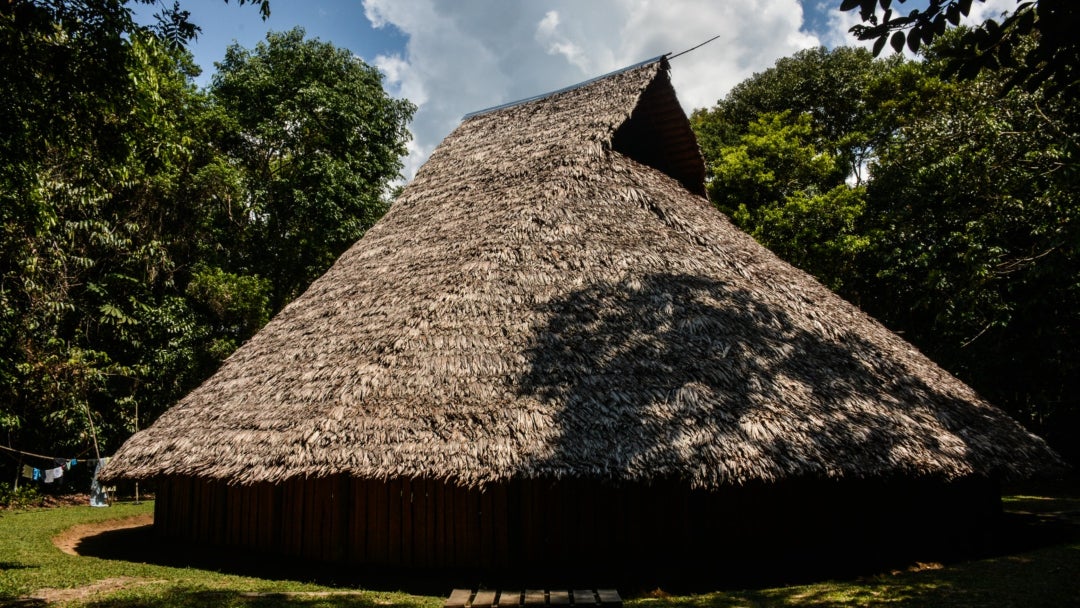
(552, 297)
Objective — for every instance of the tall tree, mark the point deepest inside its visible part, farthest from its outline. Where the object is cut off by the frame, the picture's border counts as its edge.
(319, 142)
(134, 223)
(962, 234)
(976, 210)
(787, 149)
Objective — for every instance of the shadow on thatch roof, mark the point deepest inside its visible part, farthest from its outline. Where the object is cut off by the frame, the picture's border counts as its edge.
(552, 296)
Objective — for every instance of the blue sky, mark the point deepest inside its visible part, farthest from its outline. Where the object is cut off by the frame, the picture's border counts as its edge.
(451, 57)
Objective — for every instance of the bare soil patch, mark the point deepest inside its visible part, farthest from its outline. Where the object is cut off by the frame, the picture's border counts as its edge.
(85, 592)
(68, 541)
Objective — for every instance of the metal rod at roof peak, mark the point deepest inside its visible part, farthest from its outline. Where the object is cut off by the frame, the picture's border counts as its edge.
(670, 56)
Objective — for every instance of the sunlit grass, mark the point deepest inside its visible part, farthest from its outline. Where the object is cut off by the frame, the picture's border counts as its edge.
(30, 565)
(1043, 570)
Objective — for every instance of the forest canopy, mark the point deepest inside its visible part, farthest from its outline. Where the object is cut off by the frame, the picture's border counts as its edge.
(147, 227)
(945, 206)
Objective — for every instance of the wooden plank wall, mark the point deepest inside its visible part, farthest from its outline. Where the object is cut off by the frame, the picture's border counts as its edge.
(418, 523)
(526, 524)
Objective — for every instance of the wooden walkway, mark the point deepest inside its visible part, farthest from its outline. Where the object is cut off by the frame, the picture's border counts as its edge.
(491, 598)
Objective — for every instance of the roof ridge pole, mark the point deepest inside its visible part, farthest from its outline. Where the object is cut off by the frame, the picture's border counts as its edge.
(669, 56)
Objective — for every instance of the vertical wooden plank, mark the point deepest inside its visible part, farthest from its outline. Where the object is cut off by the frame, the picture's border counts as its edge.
(250, 503)
(294, 523)
(185, 522)
(217, 513)
(513, 524)
(329, 513)
(317, 497)
(486, 527)
(378, 521)
(430, 523)
(530, 528)
(408, 526)
(461, 542)
(233, 534)
(244, 504)
(300, 523)
(161, 506)
(632, 519)
(189, 527)
(267, 505)
(472, 527)
(180, 503)
(535, 597)
(309, 532)
(558, 597)
(438, 510)
(253, 494)
(555, 521)
(500, 519)
(342, 513)
(363, 516)
(269, 501)
(326, 517)
(317, 539)
(421, 557)
(357, 521)
(204, 512)
(393, 553)
(286, 513)
(213, 513)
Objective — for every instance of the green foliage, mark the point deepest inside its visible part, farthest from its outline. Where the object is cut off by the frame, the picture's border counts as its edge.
(318, 141)
(775, 158)
(977, 209)
(816, 232)
(236, 305)
(786, 154)
(962, 231)
(838, 90)
(1053, 24)
(18, 497)
(148, 228)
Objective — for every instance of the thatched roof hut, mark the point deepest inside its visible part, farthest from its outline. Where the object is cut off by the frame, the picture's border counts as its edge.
(552, 318)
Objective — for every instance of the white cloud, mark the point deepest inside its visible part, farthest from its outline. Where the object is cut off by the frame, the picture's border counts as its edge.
(472, 54)
(547, 34)
(991, 9)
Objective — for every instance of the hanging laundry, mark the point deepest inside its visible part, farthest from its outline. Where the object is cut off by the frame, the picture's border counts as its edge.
(71, 465)
(28, 471)
(37, 475)
(52, 475)
(98, 496)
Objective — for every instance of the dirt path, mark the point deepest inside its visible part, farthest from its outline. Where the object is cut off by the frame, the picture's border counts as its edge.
(69, 539)
(51, 596)
(68, 542)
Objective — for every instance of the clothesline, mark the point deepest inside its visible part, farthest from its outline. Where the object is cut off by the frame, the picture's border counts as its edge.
(50, 458)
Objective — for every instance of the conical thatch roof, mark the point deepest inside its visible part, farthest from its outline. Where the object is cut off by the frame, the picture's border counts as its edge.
(552, 296)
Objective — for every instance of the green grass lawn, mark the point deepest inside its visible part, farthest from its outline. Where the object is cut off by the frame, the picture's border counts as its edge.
(1042, 568)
